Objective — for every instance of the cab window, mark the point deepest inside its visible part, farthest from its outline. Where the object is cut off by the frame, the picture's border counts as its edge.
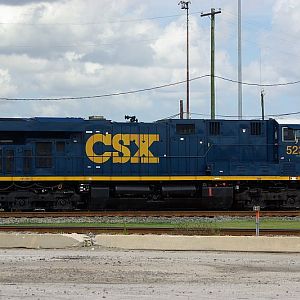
(288, 134)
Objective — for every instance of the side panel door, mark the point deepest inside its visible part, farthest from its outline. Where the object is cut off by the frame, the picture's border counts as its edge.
(9, 165)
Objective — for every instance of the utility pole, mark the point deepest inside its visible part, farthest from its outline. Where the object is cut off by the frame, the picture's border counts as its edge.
(185, 5)
(240, 91)
(212, 14)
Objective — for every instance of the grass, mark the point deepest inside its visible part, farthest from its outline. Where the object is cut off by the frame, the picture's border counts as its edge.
(267, 223)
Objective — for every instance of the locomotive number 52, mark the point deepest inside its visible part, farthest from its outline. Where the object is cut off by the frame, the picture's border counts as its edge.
(293, 150)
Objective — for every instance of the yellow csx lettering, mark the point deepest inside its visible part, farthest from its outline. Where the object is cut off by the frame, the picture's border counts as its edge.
(120, 143)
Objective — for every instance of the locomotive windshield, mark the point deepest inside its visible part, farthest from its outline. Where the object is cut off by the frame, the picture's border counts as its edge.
(290, 134)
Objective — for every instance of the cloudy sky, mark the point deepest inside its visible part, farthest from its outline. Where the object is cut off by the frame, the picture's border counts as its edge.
(71, 48)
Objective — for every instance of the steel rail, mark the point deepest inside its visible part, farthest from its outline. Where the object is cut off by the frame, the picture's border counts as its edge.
(168, 214)
(147, 230)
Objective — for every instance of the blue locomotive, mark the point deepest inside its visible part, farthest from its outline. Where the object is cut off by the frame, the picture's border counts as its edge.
(72, 163)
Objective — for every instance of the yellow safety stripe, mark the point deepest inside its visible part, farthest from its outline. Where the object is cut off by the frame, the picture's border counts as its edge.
(149, 178)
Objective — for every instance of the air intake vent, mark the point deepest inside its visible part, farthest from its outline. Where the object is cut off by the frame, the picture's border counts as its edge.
(214, 128)
(185, 128)
(255, 128)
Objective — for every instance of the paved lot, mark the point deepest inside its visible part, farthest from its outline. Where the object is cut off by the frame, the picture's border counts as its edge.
(94, 273)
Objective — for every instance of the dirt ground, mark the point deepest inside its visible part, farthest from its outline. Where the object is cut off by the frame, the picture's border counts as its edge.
(93, 273)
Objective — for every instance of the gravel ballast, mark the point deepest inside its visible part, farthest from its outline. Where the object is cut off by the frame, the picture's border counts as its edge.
(141, 220)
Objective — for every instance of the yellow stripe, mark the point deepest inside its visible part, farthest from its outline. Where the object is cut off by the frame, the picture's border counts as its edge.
(148, 178)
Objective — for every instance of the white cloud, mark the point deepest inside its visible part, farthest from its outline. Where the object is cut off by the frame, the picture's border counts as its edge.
(73, 56)
(6, 86)
(75, 48)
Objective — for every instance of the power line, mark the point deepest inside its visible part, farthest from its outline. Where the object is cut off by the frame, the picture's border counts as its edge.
(150, 89)
(82, 45)
(285, 114)
(263, 45)
(105, 95)
(257, 117)
(258, 25)
(170, 117)
(98, 23)
(258, 84)
(90, 23)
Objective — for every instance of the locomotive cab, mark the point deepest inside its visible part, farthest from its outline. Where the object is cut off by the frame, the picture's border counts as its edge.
(289, 149)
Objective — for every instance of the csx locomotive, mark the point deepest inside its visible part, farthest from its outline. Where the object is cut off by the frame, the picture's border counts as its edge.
(73, 163)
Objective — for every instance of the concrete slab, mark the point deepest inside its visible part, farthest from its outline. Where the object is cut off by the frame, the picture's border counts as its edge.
(152, 242)
(200, 243)
(45, 241)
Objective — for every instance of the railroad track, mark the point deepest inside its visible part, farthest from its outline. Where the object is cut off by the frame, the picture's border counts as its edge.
(147, 230)
(168, 214)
